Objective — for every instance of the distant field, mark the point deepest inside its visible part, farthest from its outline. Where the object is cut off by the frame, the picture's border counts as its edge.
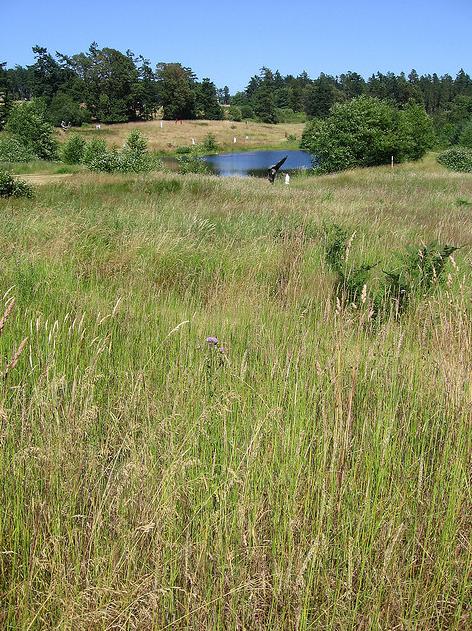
(307, 473)
(173, 136)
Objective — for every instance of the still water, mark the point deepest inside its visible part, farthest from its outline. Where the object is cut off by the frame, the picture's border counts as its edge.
(256, 163)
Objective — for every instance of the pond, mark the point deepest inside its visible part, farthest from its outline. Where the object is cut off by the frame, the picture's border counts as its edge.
(256, 163)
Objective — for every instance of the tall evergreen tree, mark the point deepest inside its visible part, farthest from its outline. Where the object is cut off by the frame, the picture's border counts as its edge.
(176, 90)
(206, 101)
(5, 95)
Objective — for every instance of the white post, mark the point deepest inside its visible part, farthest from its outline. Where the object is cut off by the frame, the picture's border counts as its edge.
(162, 124)
(392, 162)
(193, 141)
(287, 178)
(234, 140)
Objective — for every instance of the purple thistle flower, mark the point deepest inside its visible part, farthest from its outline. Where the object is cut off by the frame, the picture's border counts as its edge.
(212, 341)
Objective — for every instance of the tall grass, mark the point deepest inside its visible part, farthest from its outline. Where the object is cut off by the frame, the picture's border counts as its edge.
(313, 475)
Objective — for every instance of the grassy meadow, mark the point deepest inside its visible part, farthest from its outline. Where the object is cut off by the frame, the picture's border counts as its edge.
(308, 473)
(172, 135)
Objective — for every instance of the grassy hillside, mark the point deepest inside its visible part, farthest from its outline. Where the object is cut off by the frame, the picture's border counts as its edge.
(172, 136)
(313, 474)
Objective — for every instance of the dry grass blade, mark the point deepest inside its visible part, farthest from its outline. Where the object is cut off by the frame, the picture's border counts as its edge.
(8, 310)
(15, 358)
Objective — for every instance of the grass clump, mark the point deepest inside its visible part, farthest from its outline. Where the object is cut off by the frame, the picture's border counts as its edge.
(420, 270)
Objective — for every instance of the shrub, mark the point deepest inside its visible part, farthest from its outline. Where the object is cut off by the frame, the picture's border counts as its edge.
(192, 163)
(108, 161)
(72, 151)
(12, 187)
(209, 143)
(93, 150)
(12, 150)
(366, 132)
(135, 157)
(457, 159)
(27, 124)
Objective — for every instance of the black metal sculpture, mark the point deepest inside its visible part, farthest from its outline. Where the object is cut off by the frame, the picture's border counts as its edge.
(272, 172)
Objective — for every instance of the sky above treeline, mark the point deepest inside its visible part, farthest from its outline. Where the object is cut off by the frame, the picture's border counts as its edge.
(230, 41)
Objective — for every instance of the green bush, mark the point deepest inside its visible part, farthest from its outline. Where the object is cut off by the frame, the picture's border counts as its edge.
(28, 125)
(108, 162)
(94, 150)
(193, 163)
(72, 151)
(133, 158)
(209, 144)
(366, 132)
(12, 150)
(12, 187)
(457, 159)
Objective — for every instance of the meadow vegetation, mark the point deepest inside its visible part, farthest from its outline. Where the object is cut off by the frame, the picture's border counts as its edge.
(308, 471)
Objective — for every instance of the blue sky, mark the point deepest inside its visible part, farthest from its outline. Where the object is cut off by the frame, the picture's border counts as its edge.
(230, 41)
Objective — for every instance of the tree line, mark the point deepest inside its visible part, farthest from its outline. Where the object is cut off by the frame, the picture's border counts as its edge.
(109, 86)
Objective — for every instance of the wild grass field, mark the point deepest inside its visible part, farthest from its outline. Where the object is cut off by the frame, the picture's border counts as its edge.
(172, 135)
(307, 472)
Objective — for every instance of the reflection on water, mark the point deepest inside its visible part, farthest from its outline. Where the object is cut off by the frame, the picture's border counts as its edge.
(256, 163)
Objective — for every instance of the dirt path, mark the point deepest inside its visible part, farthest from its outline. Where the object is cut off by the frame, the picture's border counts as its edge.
(45, 178)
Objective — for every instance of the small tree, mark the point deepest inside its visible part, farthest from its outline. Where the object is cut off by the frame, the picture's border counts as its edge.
(72, 151)
(264, 105)
(27, 123)
(415, 132)
(135, 156)
(206, 101)
(209, 144)
(5, 96)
